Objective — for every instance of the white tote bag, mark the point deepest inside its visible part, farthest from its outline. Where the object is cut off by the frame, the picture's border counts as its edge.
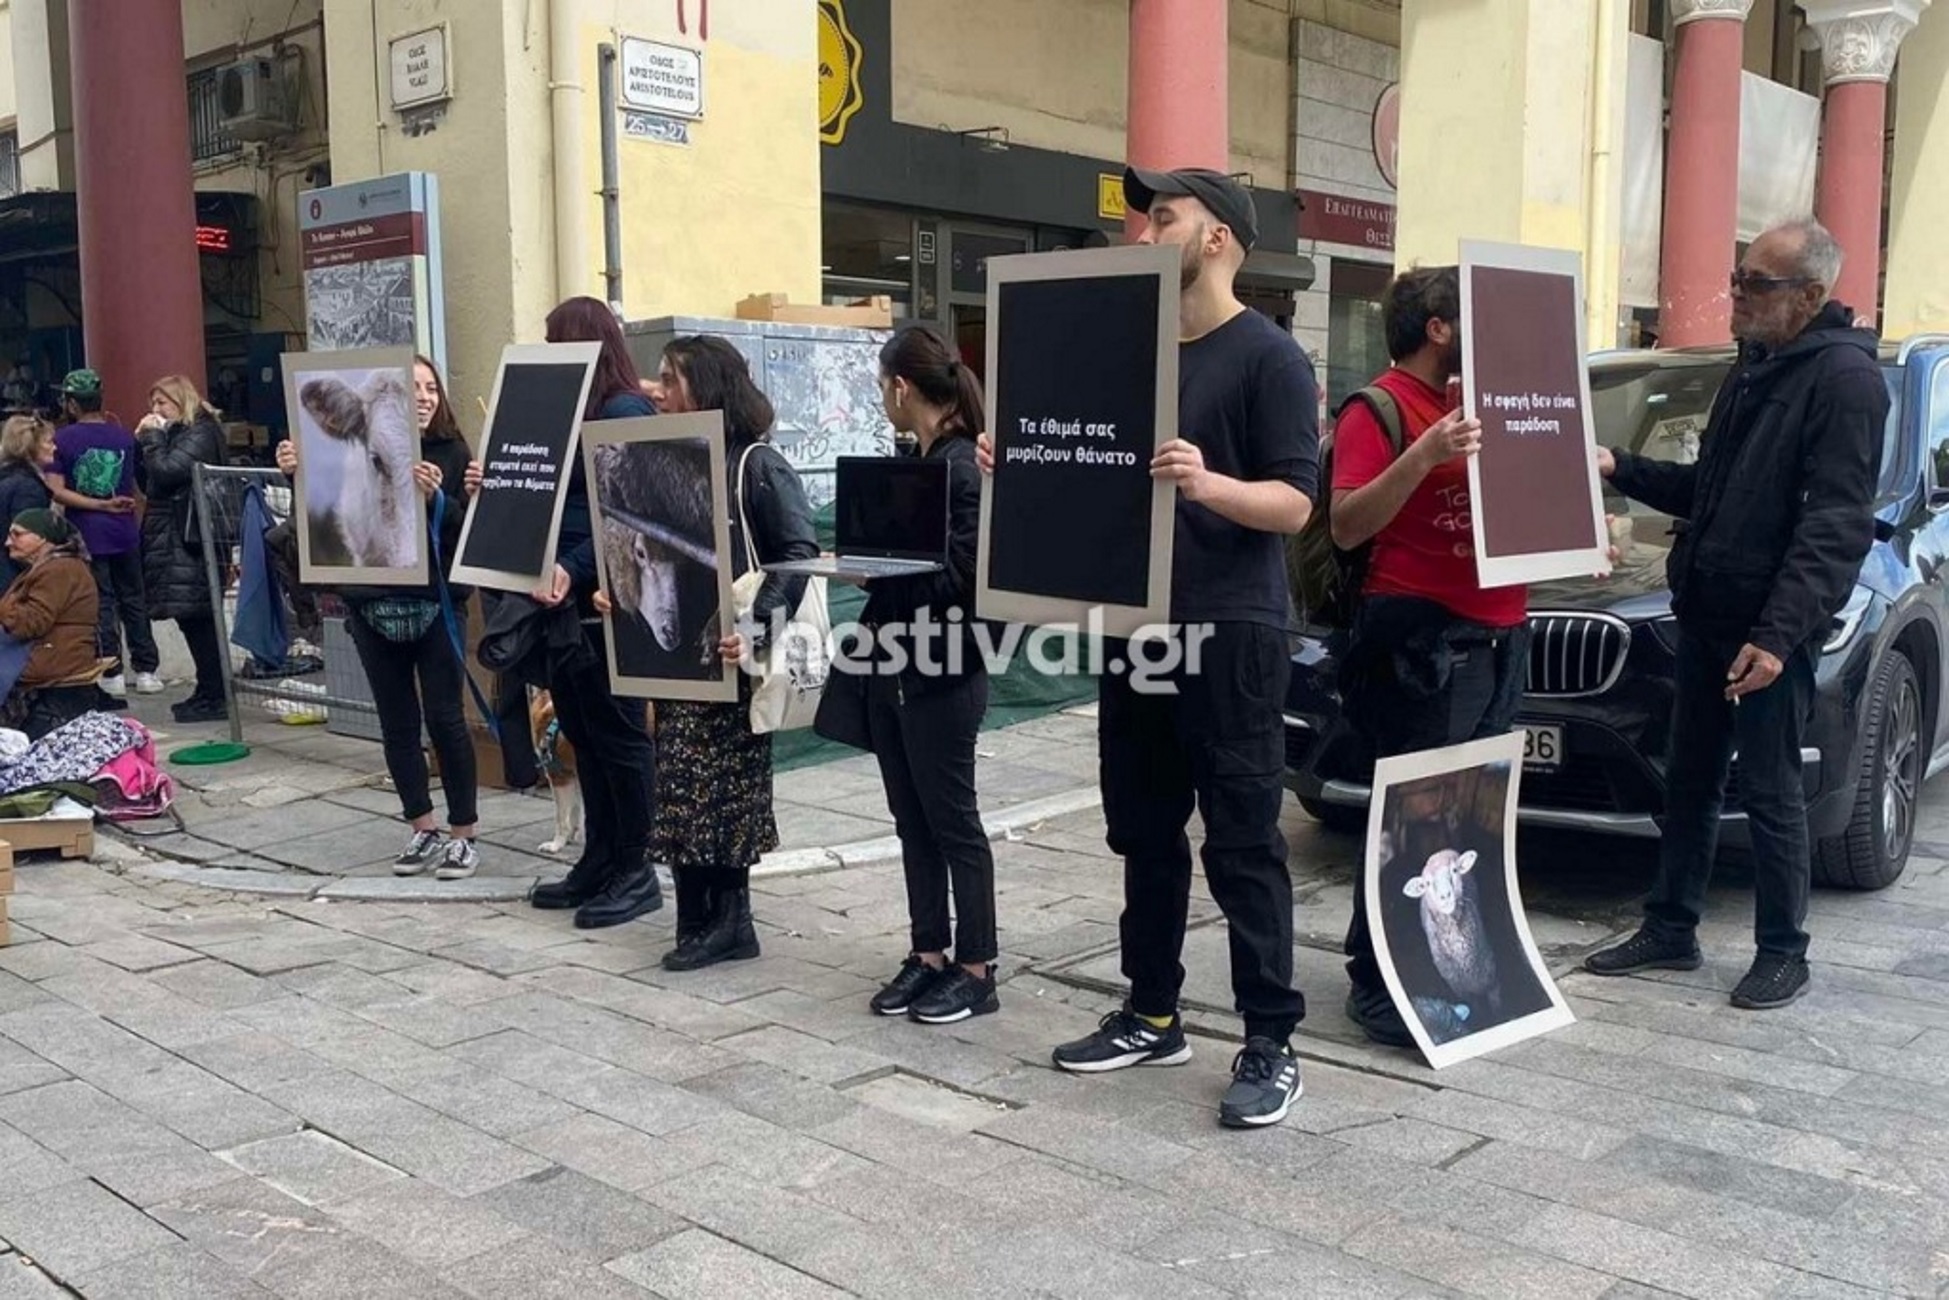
(792, 674)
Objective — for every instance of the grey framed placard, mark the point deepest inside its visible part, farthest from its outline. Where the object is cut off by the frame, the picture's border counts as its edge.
(1082, 391)
(657, 499)
(360, 516)
(527, 453)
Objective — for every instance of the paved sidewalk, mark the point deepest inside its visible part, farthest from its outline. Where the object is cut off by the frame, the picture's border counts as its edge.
(311, 814)
(205, 1094)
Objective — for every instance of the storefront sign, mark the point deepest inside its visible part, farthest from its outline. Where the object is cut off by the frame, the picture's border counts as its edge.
(1387, 136)
(839, 60)
(1336, 219)
(1109, 197)
(666, 79)
(661, 130)
(420, 73)
(1534, 504)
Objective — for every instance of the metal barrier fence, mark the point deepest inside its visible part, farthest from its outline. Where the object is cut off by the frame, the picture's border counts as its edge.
(219, 499)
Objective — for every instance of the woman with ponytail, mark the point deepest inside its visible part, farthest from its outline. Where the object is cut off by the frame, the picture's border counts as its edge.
(923, 724)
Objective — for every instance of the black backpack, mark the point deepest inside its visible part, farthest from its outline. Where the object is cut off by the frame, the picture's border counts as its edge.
(1326, 580)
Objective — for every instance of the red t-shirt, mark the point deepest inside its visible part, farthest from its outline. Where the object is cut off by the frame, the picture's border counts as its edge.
(1429, 548)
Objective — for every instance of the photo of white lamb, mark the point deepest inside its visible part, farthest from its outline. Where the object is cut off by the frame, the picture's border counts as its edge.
(358, 442)
(1457, 939)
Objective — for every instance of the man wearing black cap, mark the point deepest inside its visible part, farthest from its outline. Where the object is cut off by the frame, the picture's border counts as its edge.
(1245, 467)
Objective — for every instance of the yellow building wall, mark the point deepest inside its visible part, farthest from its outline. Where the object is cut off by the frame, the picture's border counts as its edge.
(1917, 294)
(7, 75)
(737, 211)
(36, 70)
(1057, 75)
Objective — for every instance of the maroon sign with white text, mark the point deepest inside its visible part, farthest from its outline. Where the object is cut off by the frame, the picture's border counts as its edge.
(1338, 219)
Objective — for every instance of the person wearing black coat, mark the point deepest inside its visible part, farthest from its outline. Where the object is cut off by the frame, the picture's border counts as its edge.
(1772, 523)
(922, 724)
(407, 649)
(26, 444)
(179, 433)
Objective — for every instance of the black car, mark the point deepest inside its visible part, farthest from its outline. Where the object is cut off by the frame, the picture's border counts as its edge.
(1599, 693)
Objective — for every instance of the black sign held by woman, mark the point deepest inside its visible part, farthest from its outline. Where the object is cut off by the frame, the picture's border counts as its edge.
(526, 453)
(1082, 390)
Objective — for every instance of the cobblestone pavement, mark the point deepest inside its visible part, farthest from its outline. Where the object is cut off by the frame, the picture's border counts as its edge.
(208, 1094)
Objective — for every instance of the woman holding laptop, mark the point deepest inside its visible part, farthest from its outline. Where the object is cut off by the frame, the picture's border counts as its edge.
(922, 723)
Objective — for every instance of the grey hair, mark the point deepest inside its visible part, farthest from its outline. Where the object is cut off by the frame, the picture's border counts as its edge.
(1820, 253)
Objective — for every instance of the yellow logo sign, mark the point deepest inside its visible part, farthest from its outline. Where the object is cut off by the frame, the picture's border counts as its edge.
(1109, 197)
(839, 59)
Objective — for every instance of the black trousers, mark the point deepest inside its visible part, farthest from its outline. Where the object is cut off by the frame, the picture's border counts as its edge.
(200, 634)
(124, 612)
(1766, 727)
(1425, 680)
(926, 746)
(415, 682)
(1217, 744)
(519, 767)
(614, 758)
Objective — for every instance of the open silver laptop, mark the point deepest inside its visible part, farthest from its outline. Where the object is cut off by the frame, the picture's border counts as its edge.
(890, 520)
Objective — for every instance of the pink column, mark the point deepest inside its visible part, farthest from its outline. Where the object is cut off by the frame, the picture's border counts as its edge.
(141, 287)
(1702, 174)
(1179, 114)
(1859, 40)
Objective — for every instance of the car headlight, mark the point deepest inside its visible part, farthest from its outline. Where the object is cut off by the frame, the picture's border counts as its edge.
(1848, 622)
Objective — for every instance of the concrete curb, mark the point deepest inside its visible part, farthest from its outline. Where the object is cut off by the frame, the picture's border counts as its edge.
(510, 889)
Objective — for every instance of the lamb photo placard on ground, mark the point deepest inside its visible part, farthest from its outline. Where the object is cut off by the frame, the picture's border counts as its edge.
(527, 453)
(663, 550)
(1082, 390)
(363, 519)
(1449, 928)
(1535, 505)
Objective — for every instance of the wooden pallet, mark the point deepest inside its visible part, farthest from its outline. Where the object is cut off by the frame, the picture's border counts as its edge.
(6, 888)
(74, 837)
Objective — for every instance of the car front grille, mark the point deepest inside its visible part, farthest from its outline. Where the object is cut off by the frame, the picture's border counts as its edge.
(1573, 655)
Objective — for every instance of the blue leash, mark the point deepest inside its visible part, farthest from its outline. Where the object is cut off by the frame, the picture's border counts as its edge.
(433, 522)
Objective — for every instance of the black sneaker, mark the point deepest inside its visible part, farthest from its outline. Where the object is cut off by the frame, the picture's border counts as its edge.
(1373, 1011)
(1645, 951)
(1122, 1039)
(460, 861)
(906, 988)
(199, 710)
(1773, 981)
(957, 995)
(1265, 1083)
(420, 853)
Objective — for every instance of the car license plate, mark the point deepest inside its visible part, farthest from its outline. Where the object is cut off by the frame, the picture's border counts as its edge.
(1542, 748)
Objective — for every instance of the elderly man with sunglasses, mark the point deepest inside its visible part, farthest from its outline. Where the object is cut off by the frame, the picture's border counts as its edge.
(1772, 524)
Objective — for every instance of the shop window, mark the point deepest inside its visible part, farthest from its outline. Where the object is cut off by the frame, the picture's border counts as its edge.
(208, 140)
(869, 251)
(1356, 335)
(9, 164)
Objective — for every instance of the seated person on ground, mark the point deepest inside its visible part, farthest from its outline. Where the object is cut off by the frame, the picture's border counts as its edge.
(52, 607)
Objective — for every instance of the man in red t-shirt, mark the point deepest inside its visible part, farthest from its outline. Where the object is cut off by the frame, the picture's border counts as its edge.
(1434, 658)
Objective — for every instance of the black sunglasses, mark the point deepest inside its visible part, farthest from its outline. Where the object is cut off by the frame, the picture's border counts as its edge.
(1756, 284)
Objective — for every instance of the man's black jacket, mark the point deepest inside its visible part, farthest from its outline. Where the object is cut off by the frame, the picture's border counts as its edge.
(1778, 513)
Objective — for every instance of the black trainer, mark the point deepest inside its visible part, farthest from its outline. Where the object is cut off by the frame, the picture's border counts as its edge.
(905, 988)
(1373, 1011)
(957, 995)
(626, 895)
(1123, 1039)
(1265, 1083)
(1646, 951)
(1773, 981)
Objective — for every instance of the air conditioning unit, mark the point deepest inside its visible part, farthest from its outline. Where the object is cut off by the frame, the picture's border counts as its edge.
(255, 100)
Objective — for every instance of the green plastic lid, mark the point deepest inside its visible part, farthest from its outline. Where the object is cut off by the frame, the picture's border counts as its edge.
(209, 752)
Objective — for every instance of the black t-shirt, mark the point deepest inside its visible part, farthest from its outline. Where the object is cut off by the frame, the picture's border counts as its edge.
(1248, 399)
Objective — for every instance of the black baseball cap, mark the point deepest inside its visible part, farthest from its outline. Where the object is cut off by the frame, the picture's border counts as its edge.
(1229, 201)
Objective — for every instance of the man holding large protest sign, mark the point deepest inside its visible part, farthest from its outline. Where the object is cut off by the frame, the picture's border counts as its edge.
(1246, 467)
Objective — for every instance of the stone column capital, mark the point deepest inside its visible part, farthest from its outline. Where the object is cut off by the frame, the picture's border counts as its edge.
(1860, 38)
(1691, 11)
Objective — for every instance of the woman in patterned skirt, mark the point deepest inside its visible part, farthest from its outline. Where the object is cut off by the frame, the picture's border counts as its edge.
(714, 776)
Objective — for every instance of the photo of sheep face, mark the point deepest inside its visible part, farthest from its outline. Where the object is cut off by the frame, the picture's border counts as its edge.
(1449, 927)
(657, 487)
(357, 441)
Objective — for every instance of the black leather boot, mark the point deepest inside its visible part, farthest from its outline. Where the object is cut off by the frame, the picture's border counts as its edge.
(582, 883)
(629, 892)
(693, 915)
(730, 936)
